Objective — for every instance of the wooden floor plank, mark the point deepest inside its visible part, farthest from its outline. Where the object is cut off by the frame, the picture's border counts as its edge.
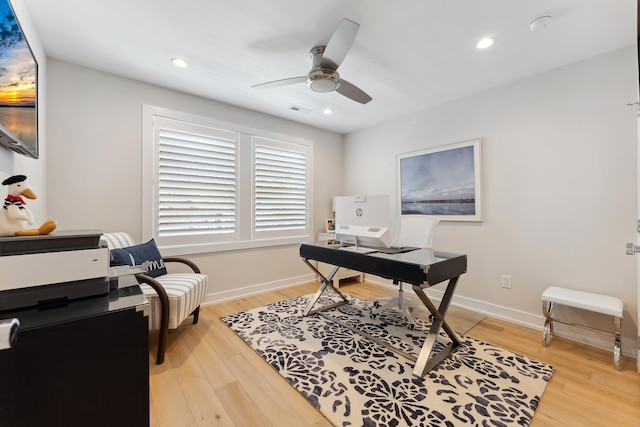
(171, 405)
(267, 386)
(206, 407)
(241, 406)
(212, 378)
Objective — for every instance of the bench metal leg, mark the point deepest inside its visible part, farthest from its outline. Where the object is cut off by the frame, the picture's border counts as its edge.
(616, 345)
(547, 331)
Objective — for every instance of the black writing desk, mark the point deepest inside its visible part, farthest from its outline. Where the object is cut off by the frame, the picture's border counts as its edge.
(422, 268)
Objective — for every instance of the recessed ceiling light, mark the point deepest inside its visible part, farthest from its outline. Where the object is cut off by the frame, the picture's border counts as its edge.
(485, 43)
(179, 62)
(327, 111)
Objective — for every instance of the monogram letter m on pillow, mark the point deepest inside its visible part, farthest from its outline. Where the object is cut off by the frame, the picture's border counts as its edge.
(137, 255)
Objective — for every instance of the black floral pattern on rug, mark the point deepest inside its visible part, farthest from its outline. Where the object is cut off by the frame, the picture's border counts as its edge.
(355, 381)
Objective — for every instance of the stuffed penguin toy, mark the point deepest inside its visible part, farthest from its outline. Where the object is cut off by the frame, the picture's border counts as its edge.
(15, 216)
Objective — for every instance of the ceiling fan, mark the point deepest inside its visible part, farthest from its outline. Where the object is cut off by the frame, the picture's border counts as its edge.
(324, 76)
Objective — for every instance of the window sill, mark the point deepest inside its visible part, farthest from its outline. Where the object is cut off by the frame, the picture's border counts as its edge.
(175, 250)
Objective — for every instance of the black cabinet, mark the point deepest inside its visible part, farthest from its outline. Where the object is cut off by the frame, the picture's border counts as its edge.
(78, 366)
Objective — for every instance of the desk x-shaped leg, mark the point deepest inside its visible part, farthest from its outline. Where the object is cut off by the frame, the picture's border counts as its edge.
(326, 282)
(426, 359)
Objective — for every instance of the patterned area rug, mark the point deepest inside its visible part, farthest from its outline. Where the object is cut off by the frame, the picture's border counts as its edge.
(355, 381)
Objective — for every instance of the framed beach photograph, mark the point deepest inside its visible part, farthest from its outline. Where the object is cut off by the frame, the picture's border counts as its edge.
(443, 181)
(330, 225)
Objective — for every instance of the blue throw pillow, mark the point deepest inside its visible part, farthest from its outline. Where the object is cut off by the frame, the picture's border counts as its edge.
(136, 255)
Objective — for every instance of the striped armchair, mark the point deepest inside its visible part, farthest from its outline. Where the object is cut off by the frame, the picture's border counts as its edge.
(173, 296)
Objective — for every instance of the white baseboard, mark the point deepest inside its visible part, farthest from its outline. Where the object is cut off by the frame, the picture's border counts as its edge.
(217, 297)
(492, 310)
(533, 321)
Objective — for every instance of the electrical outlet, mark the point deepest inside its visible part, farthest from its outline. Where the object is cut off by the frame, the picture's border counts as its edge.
(506, 281)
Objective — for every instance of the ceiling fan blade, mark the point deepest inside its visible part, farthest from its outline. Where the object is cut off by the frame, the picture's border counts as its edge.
(353, 92)
(339, 44)
(283, 82)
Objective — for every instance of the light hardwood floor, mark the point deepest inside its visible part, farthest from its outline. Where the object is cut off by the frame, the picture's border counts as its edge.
(212, 378)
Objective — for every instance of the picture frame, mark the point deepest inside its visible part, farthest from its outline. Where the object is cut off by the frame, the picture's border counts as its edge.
(330, 225)
(443, 181)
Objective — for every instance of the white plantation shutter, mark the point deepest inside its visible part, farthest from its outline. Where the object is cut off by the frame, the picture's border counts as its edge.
(196, 184)
(214, 186)
(280, 187)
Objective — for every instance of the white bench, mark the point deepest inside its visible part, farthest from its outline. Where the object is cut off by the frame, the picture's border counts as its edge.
(586, 301)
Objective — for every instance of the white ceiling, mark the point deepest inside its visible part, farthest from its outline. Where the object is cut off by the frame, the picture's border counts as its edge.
(408, 54)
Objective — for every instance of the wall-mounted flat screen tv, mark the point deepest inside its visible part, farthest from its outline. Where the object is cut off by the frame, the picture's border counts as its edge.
(18, 87)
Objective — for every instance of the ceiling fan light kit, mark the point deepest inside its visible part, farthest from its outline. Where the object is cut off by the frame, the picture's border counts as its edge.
(323, 76)
(323, 81)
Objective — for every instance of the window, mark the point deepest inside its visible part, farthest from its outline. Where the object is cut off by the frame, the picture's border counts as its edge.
(196, 186)
(279, 188)
(218, 186)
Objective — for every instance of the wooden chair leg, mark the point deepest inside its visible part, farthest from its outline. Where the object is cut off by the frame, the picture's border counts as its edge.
(196, 315)
(164, 314)
(162, 345)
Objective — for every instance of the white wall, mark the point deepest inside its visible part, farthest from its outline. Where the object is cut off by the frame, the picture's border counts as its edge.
(559, 194)
(15, 164)
(94, 168)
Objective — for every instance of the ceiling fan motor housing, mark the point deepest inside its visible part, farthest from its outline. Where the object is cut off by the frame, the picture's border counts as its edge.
(323, 80)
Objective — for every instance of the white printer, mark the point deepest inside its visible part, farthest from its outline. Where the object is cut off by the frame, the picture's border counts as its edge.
(55, 268)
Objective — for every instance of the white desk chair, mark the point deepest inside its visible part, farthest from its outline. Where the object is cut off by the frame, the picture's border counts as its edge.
(414, 231)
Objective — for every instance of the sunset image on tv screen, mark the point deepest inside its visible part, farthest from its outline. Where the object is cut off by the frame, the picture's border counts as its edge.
(18, 75)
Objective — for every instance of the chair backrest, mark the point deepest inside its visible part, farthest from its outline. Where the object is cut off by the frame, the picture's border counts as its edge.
(415, 230)
(118, 240)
